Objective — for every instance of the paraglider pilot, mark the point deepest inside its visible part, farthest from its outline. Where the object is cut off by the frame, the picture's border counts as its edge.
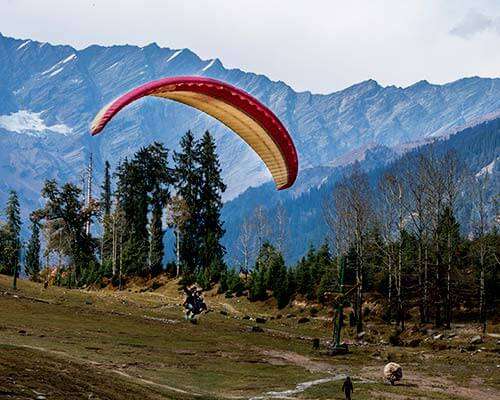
(193, 304)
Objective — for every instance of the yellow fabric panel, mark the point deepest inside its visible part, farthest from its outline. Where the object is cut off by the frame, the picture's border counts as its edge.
(249, 130)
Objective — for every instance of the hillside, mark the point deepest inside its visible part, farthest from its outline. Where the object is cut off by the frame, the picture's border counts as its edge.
(59, 344)
(49, 94)
(477, 148)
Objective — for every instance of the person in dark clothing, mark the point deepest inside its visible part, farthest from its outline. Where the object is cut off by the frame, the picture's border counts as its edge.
(193, 304)
(347, 388)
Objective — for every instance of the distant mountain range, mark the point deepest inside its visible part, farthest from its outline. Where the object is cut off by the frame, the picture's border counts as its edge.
(49, 94)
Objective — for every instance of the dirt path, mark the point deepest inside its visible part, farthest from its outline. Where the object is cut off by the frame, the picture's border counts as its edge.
(289, 357)
(301, 387)
(151, 383)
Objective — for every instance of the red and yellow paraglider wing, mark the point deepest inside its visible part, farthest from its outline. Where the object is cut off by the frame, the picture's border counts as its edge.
(239, 111)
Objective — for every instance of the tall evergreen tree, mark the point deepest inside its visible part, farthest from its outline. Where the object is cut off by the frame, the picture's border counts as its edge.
(211, 188)
(188, 180)
(106, 190)
(32, 261)
(133, 201)
(143, 187)
(160, 178)
(13, 236)
(281, 289)
(107, 236)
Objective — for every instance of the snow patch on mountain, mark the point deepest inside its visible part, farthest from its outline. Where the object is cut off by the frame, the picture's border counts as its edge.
(174, 55)
(57, 67)
(23, 44)
(30, 123)
(208, 65)
(488, 169)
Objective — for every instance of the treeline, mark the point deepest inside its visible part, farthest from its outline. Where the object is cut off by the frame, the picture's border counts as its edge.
(131, 211)
(397, 236)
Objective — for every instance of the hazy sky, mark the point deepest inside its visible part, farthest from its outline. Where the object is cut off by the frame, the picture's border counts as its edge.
(320, 46)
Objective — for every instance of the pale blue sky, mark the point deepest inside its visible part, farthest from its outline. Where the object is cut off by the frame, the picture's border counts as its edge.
(320, 46)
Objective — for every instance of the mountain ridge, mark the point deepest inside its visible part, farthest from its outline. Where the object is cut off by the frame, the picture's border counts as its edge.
(65, 90)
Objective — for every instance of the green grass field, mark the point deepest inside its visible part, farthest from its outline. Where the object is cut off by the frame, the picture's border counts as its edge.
(74, 344)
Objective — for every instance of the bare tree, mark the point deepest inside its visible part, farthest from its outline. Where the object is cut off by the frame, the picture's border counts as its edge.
(453, 178)
(262, 228)
(177, 216)
(281, 227)
(391, 219)
(418, 210)
(480, 228)
(351, 219)
(247, 240)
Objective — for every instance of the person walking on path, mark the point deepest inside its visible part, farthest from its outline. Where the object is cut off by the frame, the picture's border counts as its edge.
(347, 388)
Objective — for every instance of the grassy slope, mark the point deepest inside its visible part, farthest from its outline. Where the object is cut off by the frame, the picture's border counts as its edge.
(136, 345)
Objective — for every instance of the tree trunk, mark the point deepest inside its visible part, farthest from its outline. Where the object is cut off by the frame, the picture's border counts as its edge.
(426, 286)
(359, 289)
(14, 279)
(482, 310)
(115, 247)
(448, 285)
(399, 288)
(390, 285)
(177, 251)
(419, 272)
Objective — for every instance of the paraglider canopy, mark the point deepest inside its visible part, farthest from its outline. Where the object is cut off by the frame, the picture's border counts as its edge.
(238, 110)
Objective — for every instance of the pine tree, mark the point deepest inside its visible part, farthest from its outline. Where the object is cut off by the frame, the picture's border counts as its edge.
(160, 178)
(133, 200)
(305, 285)
(107, 236)
(143, 187)
(329, 283)
(258, 285)
(106, 191)
(13, 239)
(156, 247)
(32, 262)
(211, 189)
(188, 180)
(281, 290)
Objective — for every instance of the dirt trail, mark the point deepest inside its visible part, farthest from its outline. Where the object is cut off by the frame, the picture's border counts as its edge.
(290, 357)
(151, 383)
(301, 387)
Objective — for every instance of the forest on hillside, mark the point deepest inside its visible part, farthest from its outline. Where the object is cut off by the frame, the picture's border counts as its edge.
(476, 148)
(397, 232)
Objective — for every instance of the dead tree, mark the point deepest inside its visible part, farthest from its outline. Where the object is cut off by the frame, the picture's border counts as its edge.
(262, 228)
(391, 219)
(281, 227)
(177, 216)
(247, 240)
(480, 228)
(352, 220)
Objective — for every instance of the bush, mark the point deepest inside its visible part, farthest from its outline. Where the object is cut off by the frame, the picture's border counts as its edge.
(395, 338)
(231, 283)
(203, 280)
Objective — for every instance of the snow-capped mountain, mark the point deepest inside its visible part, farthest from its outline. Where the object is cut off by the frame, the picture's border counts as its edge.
(49, 94)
